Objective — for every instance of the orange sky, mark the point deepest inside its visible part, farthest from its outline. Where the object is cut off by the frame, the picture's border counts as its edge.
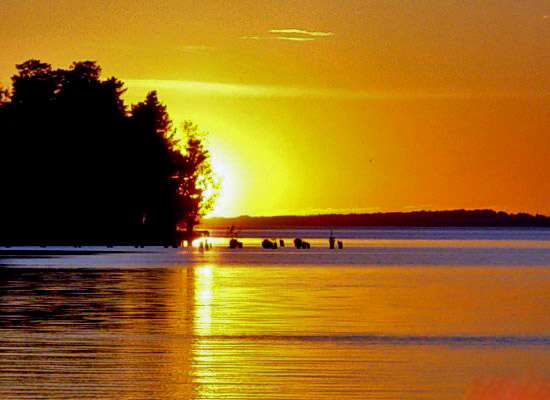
(316, 106)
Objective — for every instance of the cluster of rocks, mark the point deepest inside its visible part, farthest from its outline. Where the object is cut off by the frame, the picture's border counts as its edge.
(274, 244)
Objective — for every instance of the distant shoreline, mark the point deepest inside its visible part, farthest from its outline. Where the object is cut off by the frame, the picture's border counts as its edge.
(413, 219)
(9, 253)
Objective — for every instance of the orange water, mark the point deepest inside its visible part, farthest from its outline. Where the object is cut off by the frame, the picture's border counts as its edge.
(191, 326)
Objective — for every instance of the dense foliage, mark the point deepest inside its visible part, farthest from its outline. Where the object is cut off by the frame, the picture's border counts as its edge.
(78, 166)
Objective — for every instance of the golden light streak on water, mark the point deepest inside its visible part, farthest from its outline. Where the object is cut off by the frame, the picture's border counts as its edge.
(203, 294)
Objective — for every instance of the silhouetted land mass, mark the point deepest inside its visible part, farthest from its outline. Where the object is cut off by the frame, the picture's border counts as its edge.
(453, 218)
(78, 166)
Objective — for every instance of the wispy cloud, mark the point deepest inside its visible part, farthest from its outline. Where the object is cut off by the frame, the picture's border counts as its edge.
(301, 32)
(291, 35)
(546, 17)
(295, 39)
(195, 49)
(288, 38)
(221, 89)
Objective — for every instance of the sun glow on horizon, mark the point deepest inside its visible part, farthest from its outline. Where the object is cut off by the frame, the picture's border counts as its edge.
(228, 193)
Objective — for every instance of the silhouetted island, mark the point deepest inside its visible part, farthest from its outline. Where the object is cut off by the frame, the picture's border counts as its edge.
(452, 218)
(78, 166)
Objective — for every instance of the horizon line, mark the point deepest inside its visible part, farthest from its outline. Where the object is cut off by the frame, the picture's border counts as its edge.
(353, 213)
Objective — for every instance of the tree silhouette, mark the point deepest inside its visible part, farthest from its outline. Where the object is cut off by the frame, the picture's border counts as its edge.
(78, 167)
(199, 188)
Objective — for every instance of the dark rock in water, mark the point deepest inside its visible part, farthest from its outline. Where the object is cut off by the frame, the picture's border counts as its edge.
(268, 244)
(301, 244)
(235, 244)
(281, 243)
(340, 245)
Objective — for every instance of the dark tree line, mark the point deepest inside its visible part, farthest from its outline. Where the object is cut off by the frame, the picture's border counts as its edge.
(78, 166)
(450, 218)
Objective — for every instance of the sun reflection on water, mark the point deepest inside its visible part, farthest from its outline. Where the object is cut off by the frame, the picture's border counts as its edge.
(203, 296)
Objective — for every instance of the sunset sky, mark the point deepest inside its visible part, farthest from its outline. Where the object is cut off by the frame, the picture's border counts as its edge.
(328, 106)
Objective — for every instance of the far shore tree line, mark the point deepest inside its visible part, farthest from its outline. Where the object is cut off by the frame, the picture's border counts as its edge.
(79, 166)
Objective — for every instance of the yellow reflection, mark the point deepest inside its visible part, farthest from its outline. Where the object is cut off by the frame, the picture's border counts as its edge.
(217, 241)
(203, 294)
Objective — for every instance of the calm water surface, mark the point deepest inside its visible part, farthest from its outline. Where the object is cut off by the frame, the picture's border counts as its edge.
(398, 314)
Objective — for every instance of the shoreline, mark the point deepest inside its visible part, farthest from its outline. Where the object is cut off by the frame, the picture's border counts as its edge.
(9, 254)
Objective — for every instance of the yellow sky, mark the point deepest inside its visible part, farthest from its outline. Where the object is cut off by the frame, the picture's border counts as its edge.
(317, 105)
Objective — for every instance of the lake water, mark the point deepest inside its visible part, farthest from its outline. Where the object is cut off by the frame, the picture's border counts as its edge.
(397, 314)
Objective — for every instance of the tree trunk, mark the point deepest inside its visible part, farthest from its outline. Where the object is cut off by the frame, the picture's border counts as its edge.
(189, 234)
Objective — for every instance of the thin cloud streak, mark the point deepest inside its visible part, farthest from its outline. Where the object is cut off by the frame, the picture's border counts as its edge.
(271, 91)
(288, 38)
(302, 32)
(294, 39)
(195, 49)
(291, 35)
